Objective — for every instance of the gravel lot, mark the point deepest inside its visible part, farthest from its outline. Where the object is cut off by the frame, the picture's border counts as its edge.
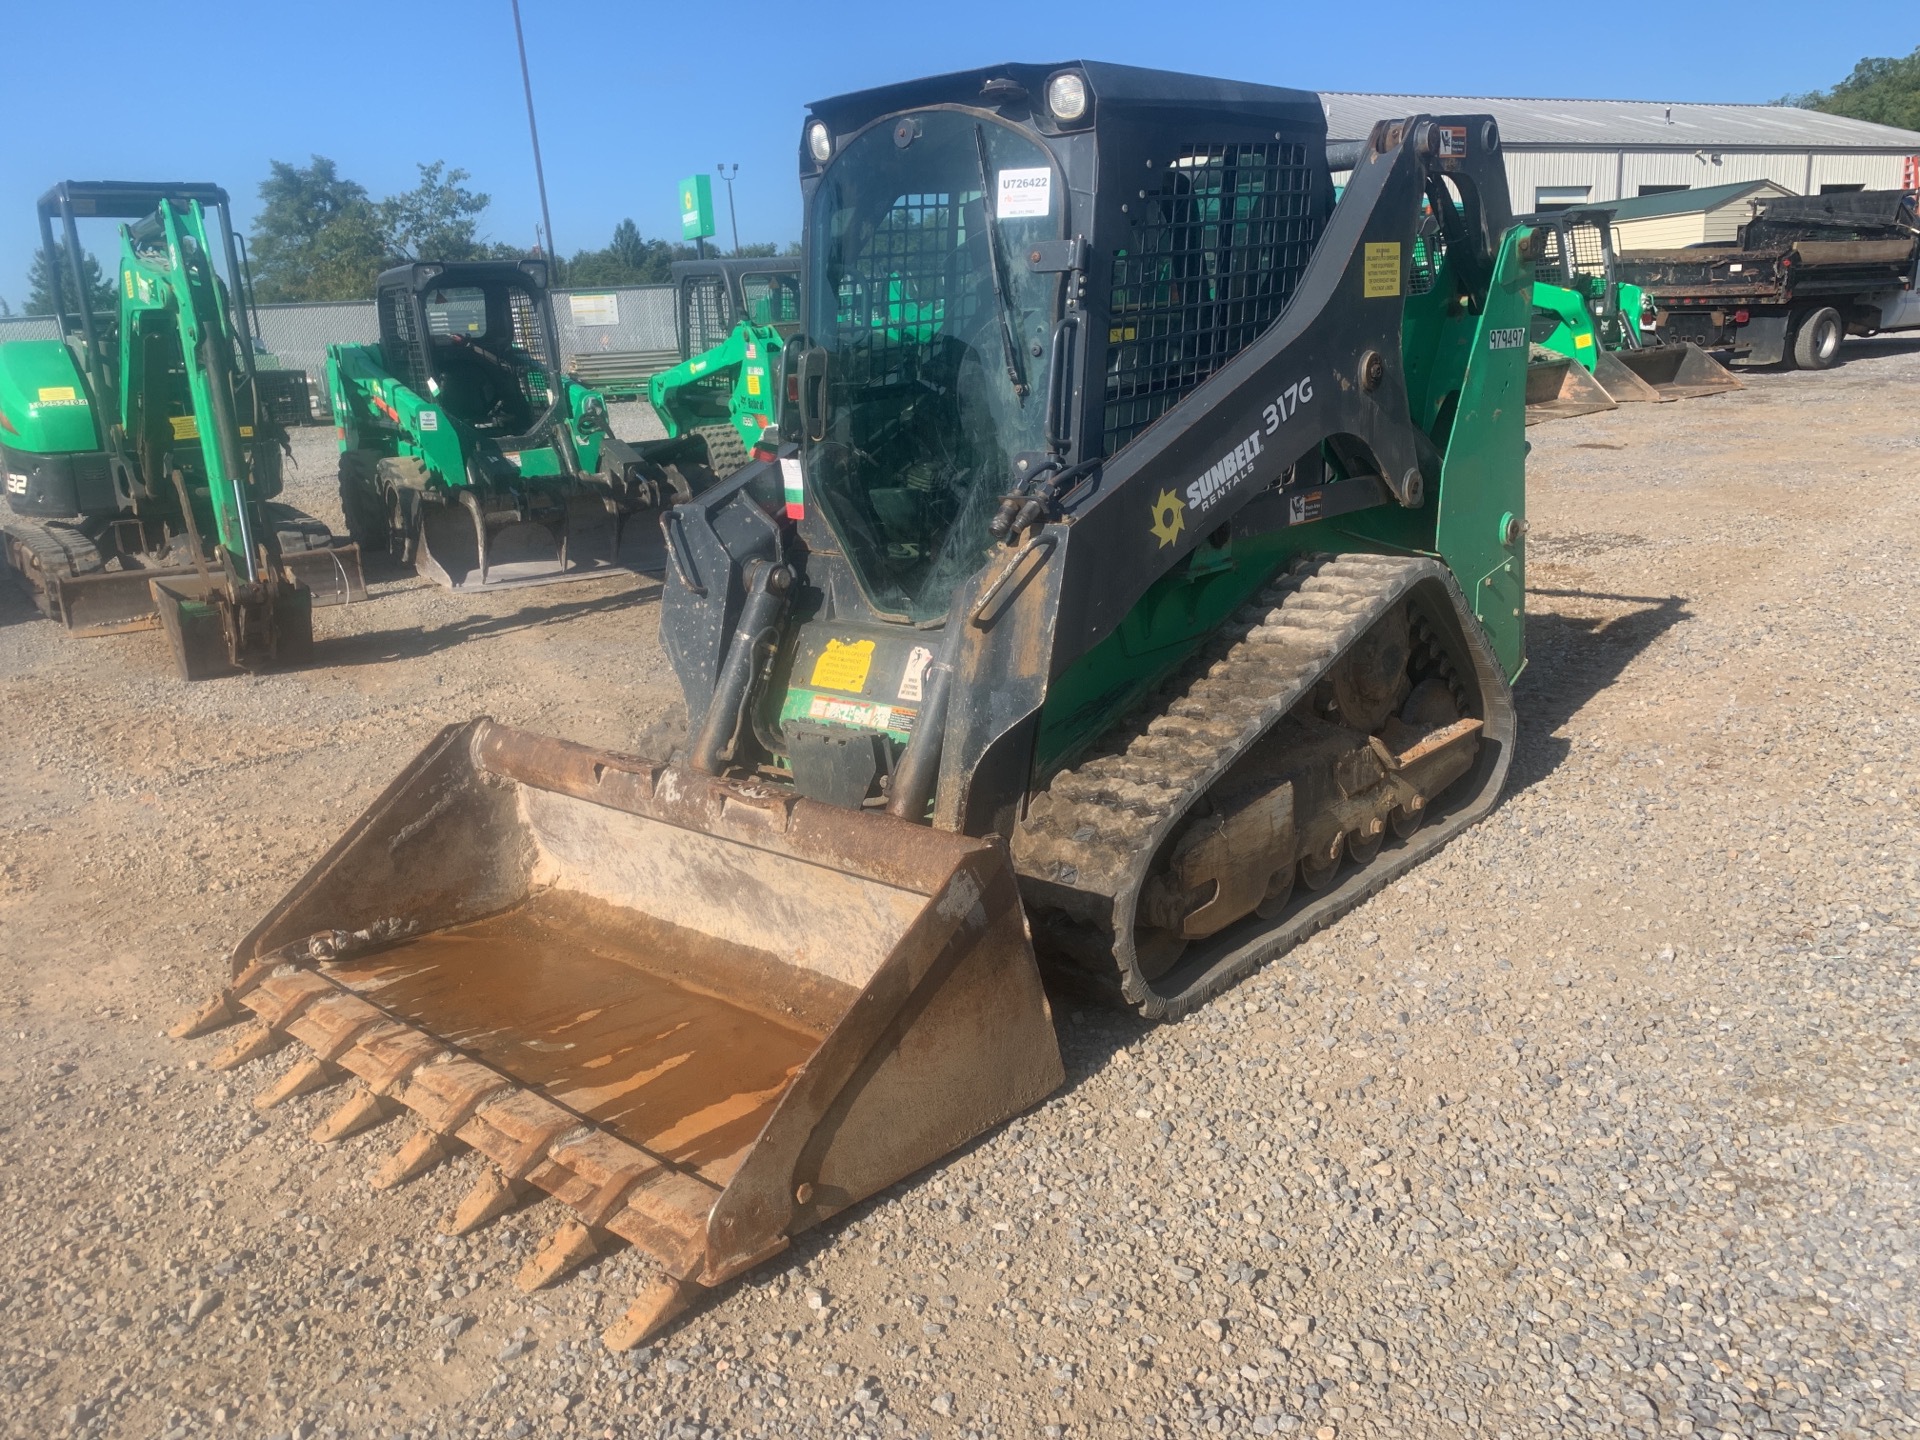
(1602, 1121)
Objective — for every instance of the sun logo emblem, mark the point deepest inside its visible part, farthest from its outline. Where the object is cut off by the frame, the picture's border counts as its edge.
(1169, 517)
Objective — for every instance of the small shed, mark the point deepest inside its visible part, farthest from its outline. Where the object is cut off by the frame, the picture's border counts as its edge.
(1674, 219)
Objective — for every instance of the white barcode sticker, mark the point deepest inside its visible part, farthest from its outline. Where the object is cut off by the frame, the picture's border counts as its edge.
(1025, 194)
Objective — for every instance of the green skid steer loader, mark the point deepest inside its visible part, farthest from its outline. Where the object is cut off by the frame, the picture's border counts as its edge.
(1591, 351)
(1149, 598)
(466, 453)
(143, 450)
(735, 317)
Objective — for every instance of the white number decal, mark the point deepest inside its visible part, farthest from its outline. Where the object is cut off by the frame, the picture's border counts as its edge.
(1287, 404)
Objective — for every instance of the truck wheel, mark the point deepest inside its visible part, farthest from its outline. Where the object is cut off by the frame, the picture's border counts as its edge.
(1816, 343)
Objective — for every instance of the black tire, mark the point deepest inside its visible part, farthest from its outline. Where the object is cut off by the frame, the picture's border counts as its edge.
(362, 504)
(1816, 339)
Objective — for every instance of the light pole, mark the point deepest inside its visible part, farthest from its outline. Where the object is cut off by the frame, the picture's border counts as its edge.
(539, 172)
(732, 218)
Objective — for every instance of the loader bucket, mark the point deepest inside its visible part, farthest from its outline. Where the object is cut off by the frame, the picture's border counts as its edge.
(1558, 388)
(467, 547)
(1622, 385)
(1681, 371)
(330, 573)
(703, 1015)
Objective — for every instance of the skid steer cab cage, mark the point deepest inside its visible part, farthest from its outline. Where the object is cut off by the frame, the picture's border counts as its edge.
(702, 1015)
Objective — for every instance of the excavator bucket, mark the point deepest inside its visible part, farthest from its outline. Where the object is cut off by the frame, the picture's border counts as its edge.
(701, 1014)
(547, 539)
(1677, 371)
(1559, 388)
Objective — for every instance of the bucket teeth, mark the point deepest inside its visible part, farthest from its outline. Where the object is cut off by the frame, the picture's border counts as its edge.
(663, 1299)
(491, 1197)
(561, 1253)
(309, 1075)
(216, 1014)
(419, 1155)
(363, 1110)
(253, 1042)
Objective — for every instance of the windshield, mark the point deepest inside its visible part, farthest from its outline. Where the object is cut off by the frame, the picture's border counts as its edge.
(922, 418)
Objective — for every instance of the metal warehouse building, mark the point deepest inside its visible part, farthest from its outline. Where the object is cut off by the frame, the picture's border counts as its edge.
(1573, 152)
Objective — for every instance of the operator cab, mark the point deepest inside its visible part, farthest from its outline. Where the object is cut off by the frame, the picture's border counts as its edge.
(716, 295)
(477, 337)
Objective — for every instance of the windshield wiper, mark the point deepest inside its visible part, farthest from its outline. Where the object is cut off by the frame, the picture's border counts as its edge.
(1002, 303)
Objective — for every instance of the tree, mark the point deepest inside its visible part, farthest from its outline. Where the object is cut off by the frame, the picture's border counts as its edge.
(1881, 89)
(439, 219)
(100, 290)
(629, 259)
(318, 236)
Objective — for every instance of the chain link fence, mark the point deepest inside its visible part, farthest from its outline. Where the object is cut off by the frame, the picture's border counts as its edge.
(617, 336)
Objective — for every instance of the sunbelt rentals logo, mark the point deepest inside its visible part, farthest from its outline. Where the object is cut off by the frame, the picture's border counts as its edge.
(1224, 473)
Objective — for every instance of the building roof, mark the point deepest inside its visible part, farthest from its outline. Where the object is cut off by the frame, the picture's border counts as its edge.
(1689, 202)
(1609, 123)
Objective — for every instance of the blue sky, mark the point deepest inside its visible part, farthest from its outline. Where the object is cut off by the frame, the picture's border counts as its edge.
(633, 96)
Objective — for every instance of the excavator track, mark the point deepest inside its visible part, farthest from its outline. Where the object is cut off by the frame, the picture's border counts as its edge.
(1091, 841)
(91, 590)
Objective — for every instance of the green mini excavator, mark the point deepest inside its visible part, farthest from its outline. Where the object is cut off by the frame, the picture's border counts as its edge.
(143, 449)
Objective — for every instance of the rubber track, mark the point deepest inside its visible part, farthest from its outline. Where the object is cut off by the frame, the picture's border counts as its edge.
(59, 550)
(725, 449)
(1089, 840)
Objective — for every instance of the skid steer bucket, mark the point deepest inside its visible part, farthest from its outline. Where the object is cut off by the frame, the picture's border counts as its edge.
(1622, 385)
(471, 546)
(1678, 371)
(701, 1015)
(1559, 388)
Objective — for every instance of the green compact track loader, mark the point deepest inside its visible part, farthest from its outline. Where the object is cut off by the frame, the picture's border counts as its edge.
(1591, 351)
(1147, 598)
(143, 449)
(735, 317)
(466, 453)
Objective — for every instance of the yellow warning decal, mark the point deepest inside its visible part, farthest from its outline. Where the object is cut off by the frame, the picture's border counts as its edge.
(57, 395)
(753, 382)
(185, 427)
(1583, 342)
(1380, 270)
(843, 665)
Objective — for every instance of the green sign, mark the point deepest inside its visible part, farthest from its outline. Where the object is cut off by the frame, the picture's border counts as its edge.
(696, 207)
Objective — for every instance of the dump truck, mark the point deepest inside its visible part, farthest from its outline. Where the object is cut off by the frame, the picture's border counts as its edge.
(735, 317)
(1148, 600)
(1594, 348)
(1808, 271)
(467, 455)
(143, 449)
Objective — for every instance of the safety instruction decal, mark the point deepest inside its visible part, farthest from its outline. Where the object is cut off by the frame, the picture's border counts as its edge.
(913, 681)
(1380, 270)
(1453, 142)
(1025, 194)
(843, 665)
(59, 395)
